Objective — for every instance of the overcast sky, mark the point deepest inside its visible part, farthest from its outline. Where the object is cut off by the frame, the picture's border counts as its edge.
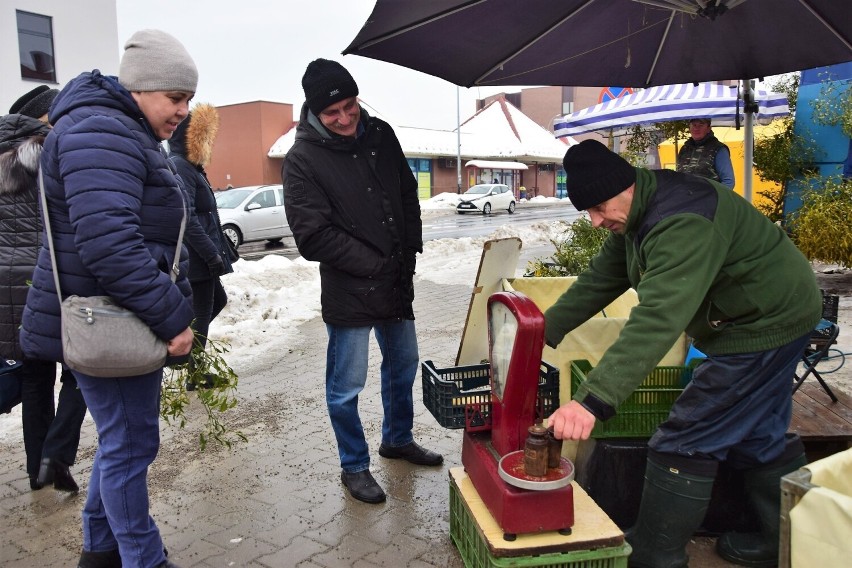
(258, 50)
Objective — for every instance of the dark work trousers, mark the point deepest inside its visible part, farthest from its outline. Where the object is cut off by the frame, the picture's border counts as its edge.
(50, 431)
(208, 299)
(736, 408)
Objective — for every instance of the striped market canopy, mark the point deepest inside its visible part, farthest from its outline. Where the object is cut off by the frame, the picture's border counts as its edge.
(720, 103)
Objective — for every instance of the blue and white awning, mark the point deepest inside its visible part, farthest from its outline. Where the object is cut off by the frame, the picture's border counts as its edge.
(720, 103)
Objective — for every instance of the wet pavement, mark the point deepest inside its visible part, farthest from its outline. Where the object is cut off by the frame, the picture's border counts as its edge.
(277, 500)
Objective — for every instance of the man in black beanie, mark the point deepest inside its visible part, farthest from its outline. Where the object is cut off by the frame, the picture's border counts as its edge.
(704, 261)
(352, 204)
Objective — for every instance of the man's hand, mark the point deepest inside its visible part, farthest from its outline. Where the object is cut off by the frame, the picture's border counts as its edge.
(181, 344)
(572, 421)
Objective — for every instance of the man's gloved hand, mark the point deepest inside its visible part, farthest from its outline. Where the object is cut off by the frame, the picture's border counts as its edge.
(216, 266)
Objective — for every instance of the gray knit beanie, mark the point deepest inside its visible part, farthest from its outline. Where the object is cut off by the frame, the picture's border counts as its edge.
(155, 61)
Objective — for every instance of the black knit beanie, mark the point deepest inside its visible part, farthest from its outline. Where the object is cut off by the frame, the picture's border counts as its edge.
(326, 82)
(594, 174)
(35, 103)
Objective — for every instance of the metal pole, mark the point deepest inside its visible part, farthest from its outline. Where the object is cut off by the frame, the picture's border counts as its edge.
(458, 142)
(748, 139)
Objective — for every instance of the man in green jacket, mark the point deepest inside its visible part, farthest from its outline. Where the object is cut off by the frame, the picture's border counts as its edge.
(704, 261)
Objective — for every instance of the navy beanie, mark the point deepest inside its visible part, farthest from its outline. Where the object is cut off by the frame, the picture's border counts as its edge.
(326, 82)
(593, 174)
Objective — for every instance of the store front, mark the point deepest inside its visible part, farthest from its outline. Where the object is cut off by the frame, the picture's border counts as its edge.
(488, 171)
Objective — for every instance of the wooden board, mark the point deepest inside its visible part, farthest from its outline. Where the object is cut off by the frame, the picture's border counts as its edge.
(499, 261)
(820, 422)
(592, 529)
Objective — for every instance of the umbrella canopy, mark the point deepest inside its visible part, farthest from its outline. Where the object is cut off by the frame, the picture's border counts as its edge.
(720, 103)
(629, 43)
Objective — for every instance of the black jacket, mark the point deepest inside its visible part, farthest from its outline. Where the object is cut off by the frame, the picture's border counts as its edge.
(189, 148)
(352, 205)
(21, 139)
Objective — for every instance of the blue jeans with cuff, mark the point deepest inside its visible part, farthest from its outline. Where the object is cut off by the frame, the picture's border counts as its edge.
(346, 375)
(126, 412)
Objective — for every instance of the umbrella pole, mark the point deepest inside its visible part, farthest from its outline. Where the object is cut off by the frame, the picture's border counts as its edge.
(458, 142)
(748, 140)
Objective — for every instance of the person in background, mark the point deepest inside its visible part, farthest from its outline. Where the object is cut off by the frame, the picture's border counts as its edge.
(115, 208)
(704, 261)
(703, 154)
(191, 148)
(351, 202)
(51, 431)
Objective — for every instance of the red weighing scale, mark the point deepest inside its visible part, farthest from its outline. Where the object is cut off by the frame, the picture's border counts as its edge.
(493, 455)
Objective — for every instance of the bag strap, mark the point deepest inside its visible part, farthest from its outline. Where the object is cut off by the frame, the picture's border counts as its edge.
(175, 264)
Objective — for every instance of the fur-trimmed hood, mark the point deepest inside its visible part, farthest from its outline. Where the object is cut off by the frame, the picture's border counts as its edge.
(21, 139)
(194, 137)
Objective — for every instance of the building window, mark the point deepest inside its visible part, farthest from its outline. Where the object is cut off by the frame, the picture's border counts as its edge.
(35, 46)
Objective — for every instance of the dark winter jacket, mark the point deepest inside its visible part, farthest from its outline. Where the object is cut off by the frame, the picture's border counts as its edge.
(115, 210)
(702, 260)
(21, 139)
(191, 147)
(699, 158)
(352, 205)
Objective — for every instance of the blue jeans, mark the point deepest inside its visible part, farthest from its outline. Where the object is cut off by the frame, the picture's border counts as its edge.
(126, 412)
(346, 374)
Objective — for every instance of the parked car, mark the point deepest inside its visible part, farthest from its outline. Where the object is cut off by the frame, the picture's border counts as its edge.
(253, 213)
(484, 197)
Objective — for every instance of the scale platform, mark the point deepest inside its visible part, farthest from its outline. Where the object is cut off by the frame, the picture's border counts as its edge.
(517, 510)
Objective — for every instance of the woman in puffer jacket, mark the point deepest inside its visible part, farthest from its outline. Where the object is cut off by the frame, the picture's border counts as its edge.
(191, 148)
(51, 431)
(115, 209)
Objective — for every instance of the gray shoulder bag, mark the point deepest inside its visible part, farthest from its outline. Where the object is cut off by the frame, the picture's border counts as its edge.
(99, 337)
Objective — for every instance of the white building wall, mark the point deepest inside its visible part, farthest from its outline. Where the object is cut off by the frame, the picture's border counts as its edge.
(85, 37)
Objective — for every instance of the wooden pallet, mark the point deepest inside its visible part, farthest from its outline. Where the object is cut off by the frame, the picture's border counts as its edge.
(824, 426)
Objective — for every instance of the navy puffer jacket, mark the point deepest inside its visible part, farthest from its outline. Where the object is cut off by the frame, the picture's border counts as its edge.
(115, 210)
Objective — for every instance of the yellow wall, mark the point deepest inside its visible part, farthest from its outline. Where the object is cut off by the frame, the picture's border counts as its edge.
(733, 139)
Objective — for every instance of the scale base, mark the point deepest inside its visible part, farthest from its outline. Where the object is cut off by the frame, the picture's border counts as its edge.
(516, 510)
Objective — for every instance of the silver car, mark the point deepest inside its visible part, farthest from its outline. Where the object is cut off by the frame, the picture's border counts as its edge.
(484, 197)
(253, 213)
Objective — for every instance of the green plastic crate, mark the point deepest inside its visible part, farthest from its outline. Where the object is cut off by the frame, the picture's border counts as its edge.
(475, 554)
(646, 408)
(460, 397)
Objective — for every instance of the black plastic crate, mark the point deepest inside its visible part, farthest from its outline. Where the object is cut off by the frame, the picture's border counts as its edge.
(830, 305)
(460, 397)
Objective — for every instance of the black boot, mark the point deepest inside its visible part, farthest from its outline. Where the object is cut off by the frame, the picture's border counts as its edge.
(763, 488)
(672, 508)
(57, 473)
(106, 559)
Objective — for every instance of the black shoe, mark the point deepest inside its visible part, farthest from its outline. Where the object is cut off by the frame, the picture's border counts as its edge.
(106, 559)
(413, 453)
(168, 564)
(56, 472)
(34, 484)
(363, 487)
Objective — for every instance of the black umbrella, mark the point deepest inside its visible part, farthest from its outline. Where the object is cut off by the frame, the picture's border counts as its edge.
(628, 43)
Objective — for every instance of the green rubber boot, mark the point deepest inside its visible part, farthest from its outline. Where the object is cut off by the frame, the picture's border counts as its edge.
(672, 508)
(763, 487)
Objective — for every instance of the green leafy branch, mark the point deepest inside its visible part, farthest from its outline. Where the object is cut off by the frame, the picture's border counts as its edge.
(573, 253)
(215, 383)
